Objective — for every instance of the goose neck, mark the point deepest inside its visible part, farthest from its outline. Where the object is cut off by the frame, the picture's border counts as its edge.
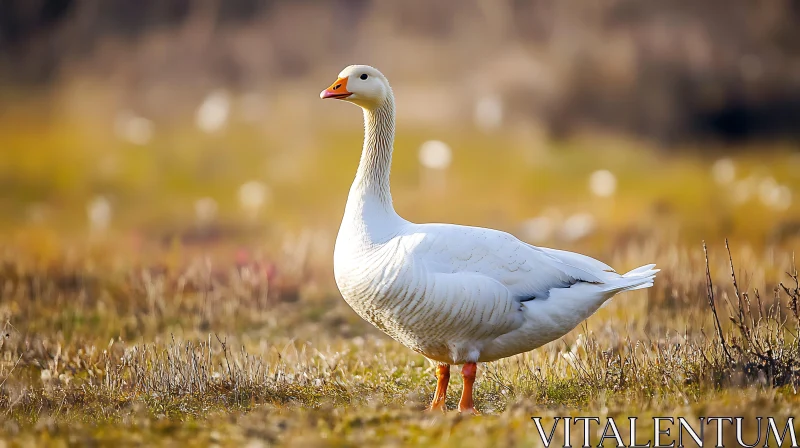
(372, 177)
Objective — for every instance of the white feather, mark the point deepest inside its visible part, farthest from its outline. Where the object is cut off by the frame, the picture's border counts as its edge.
(454, 293)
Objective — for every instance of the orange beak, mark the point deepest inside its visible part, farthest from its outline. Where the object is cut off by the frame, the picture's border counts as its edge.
(337, 90)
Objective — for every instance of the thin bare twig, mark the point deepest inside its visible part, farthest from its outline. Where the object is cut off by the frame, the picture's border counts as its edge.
(710, 295)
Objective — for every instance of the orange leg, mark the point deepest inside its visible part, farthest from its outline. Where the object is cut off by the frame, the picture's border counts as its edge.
(443, 378)
(468, 372)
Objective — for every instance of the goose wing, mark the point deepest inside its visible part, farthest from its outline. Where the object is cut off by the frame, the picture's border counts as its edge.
(525, 271)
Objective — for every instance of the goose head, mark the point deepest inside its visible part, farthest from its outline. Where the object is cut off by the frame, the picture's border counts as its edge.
(359, 84)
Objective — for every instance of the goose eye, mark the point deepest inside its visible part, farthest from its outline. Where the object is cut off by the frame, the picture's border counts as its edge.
(363, 76)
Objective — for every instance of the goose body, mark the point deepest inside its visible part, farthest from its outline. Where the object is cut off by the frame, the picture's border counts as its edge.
(456, 294)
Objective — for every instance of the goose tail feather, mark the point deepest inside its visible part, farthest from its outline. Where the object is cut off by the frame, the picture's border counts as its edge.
(639, 278)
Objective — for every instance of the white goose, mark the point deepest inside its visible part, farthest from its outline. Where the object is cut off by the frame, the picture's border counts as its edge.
(456, 294)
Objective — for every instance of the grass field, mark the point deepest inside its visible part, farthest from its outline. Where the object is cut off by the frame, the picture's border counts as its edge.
(142, 305)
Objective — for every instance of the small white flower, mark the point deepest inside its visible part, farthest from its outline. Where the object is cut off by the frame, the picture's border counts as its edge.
(766, 190)
(212, 115)
(435, 154)
(489, 112)
(253, 196)
(603, 183)
(743, 190)
(133, 128)
(778, 197)
(784, 199)
(537, 229)
(577, 226)
(205, 210)
(723, 171)
(99, 213)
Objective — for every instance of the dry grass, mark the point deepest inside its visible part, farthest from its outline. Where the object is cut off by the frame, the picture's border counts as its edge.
(234, 354)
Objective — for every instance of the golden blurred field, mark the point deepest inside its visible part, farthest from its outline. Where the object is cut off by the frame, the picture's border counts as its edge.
(56, 162)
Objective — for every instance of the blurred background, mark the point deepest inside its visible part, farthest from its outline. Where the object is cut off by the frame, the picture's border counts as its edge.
(566, 123)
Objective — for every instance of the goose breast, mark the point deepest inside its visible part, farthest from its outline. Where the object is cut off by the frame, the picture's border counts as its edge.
(403, 289)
